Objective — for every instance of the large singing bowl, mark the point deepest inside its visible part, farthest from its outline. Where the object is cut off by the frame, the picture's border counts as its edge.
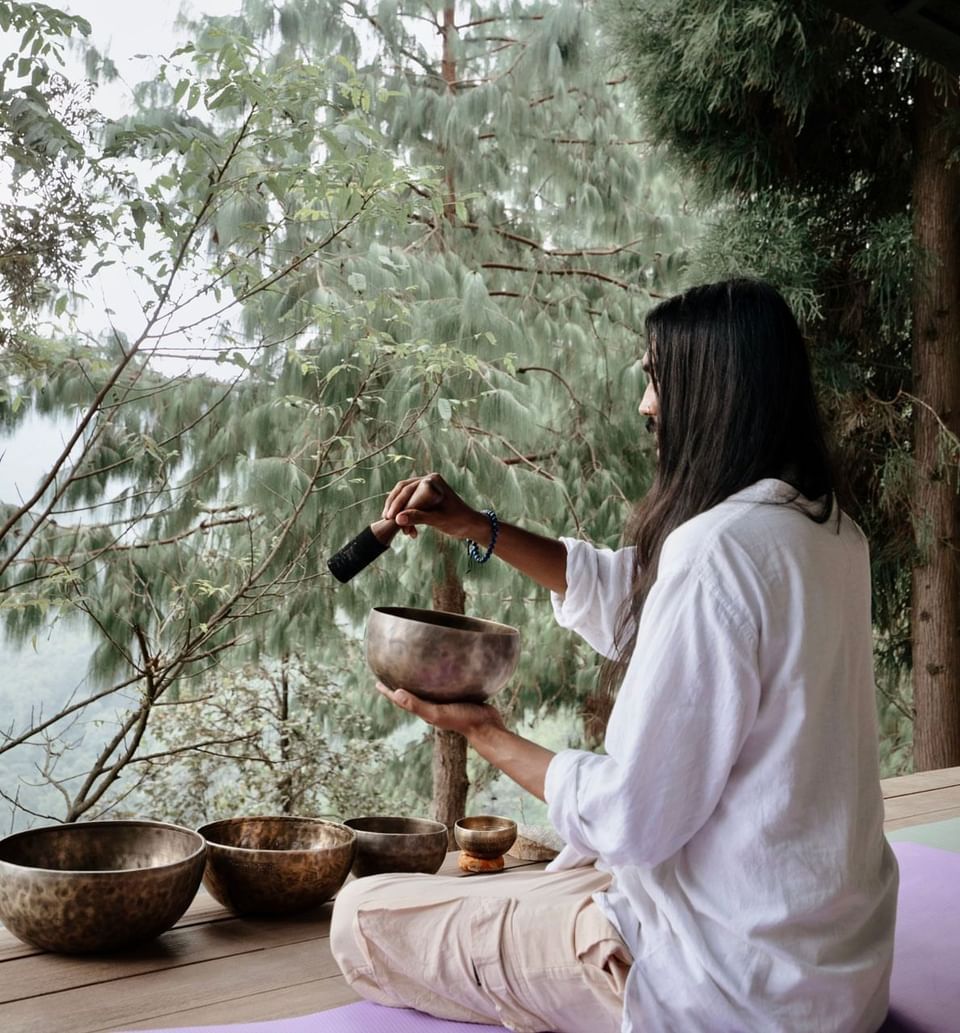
(276, 865)
(97, 885)
(442, 657)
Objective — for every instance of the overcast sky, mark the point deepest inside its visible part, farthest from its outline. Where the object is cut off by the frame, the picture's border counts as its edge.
(124, 28)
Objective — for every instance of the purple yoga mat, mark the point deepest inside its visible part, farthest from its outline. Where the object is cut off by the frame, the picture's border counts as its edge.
(924, 991)
(925, 988)
(351, 1018)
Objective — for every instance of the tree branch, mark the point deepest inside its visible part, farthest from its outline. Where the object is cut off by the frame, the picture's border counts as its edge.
(589, 273)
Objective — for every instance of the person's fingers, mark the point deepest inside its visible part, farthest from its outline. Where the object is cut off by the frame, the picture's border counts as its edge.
(426, 489)
(402, 488)
(416, 516)
(402, 500)
(389, 693)
(400, 494)
(407, 701)
(430, 489)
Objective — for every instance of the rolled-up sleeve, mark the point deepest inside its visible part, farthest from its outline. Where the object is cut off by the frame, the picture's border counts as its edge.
(688, 700)
(598, 587)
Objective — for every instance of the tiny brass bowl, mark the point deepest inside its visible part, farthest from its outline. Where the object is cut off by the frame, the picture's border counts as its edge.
(97, 885)
(441, 657)
(485, 835)
(265, 865)
(392, 844)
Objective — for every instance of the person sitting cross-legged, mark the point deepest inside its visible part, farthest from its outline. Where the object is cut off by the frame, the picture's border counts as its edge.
(725, 869)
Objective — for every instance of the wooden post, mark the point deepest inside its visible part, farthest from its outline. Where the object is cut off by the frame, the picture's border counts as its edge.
(935, 611)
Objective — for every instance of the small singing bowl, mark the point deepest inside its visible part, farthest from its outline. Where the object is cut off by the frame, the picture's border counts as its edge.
(441, 657)
(264, 865)
(392, 844)
(97, 885)
(486, 836)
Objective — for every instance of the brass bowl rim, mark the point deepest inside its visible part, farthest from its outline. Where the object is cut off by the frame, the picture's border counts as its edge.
(440, 827)
(138, 822)
(508, 825)
(410, 614)
(274, 851)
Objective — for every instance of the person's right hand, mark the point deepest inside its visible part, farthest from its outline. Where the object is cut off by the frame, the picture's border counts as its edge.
(430, 500)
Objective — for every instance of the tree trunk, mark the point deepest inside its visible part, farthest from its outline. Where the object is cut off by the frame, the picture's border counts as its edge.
(450, 782)
(448, 68)
(285, 785)
(936, 385)
(449, 748)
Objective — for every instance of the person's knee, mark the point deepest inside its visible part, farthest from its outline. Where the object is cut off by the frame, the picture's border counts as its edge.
(343, 942)
(345, 945)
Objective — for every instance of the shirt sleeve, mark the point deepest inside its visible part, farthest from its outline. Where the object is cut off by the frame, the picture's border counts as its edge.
(688, 700)
(598, 586)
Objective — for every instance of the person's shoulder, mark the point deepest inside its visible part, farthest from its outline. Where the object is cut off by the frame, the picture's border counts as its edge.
(754, 527)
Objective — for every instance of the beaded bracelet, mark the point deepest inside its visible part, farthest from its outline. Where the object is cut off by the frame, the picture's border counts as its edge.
(473, 550)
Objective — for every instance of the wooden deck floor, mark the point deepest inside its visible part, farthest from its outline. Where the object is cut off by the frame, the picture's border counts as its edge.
(214, 968)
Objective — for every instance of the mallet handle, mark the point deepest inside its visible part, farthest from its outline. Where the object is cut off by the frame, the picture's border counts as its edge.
(359, 553)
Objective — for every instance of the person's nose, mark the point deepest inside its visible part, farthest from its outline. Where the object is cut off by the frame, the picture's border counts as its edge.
(648, 404)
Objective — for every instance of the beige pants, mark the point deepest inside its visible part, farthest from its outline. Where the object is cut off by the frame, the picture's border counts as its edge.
(526, 949)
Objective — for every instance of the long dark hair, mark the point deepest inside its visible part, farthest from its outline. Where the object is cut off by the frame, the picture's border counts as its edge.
(736, 405)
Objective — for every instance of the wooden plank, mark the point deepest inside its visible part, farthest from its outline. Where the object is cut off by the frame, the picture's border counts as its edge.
(187, 945)
(147, 998)
(920, 805)
(303, 999)
(11, 948)
(921, 782)
(922, 819)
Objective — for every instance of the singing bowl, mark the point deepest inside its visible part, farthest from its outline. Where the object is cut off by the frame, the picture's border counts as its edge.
(441, 657)
(486, 836)
(394, 844)
(97, 885)
(262, 865)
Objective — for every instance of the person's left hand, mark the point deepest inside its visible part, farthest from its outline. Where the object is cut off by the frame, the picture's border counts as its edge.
(465, 718)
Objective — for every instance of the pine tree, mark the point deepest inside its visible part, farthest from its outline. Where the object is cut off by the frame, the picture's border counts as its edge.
(830, 153)
(553, 227)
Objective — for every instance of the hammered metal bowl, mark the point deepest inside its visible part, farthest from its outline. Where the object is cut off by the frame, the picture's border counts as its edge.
(97, 885)
(265, 865)
(392, 844)
(442, 657)
(486, 836)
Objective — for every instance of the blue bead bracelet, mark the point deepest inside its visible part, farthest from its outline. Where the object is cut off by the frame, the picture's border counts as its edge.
(473, 550)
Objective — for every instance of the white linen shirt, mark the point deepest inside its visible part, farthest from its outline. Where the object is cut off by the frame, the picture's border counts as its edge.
(738, 803)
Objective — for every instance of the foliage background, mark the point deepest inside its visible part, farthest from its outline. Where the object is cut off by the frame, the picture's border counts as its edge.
(365, 243)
